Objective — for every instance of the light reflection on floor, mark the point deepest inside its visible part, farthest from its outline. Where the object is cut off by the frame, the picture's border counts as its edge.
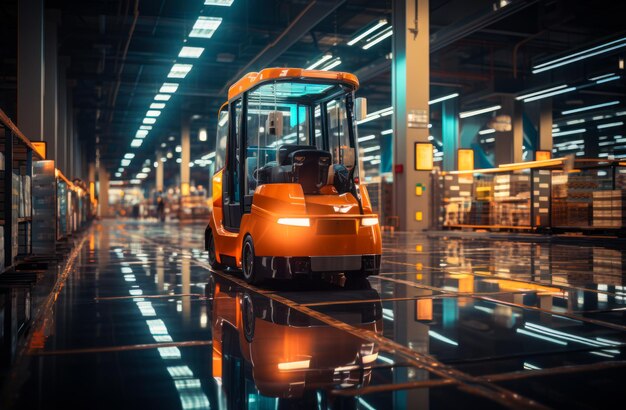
(449, 322)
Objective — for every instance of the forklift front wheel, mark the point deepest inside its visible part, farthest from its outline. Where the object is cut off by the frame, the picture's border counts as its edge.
(247, 261)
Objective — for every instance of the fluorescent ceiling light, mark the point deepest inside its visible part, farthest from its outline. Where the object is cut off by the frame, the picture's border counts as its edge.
(487, 131)
(125, 162)
(574, 122)
(145, 127)
(561, 133)
(135, 181)
(223, 3)
(153, 113)
(142, 175)
(332, 65)
(146, 169)
(191, 52)
(606, 80)
(384, 112)
(157, 106)
(130, 155)
(467, 114)
(141, 134)
(609, 125)
(385, 132)
(388, 32)
(205, 27)
(178, 148)
(169, 88)
(120, 169)
(162, 97)
(367, 138)
(370, 149)
(368, 119)
(542, 96)
(558, 87)
(321, 61)
(118, 174)
(149, 120)
(589, 107)
(601, 76)
(445, 97)
(180, 70)
(136, 143)
(367, 32)
(581, 55)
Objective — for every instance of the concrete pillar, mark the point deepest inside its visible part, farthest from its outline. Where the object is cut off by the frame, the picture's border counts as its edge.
(69, 126)
(103, 193)
(159, 172)
(410, 94)
(510, 144)
(185, 156)
(545, 125)
(30, 68)
(61, 146)
(50, 90)
(450, 133)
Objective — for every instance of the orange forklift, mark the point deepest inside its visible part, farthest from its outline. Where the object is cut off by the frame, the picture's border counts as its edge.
(286, 195)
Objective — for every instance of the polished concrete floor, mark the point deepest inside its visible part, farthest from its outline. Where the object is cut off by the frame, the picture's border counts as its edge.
(449, 323)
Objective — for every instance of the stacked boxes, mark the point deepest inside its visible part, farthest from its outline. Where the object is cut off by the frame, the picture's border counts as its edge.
(24, 200)
(541, 197)
(15, 197)
(44, 207)
(608, 266)
(609, 209)
(511, 200)
(24, 235)
(458, 192)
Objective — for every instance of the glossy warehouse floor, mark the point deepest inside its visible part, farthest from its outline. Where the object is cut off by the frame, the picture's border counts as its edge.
(449, 323)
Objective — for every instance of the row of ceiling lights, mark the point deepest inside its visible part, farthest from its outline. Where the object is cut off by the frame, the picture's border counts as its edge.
(372, 34)
(203, 28)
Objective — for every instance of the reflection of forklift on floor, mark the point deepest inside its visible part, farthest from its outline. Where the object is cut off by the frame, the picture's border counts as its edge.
(264, 349)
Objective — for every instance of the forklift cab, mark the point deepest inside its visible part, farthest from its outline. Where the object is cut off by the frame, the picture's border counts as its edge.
(286, 167)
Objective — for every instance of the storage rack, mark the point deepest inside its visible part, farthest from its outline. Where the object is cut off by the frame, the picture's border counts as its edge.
(557, 195)
(29, 234)
(15, 192)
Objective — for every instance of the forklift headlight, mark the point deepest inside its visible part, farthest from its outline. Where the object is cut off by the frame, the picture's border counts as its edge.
(295, 221)
(369, 221)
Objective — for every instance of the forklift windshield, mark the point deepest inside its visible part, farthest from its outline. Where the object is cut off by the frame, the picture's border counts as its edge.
(295, 131)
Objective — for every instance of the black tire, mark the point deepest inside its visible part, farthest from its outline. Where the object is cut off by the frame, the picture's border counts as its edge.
(213, 263)
(248, 267)
(248, 317)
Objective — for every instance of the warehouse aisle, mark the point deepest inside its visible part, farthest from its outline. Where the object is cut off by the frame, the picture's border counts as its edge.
(488, 322)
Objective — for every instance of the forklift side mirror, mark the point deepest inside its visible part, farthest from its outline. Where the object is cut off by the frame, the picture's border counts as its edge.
(274, 124)
(360, 108)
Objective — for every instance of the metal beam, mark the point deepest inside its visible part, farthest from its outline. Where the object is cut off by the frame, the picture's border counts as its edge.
(311, 16)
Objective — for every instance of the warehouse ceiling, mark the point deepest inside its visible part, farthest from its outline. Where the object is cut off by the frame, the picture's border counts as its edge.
(119, 53)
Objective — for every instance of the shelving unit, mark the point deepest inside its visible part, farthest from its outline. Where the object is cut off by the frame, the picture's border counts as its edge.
(30, 227)
(15, 192)
(537, 195)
